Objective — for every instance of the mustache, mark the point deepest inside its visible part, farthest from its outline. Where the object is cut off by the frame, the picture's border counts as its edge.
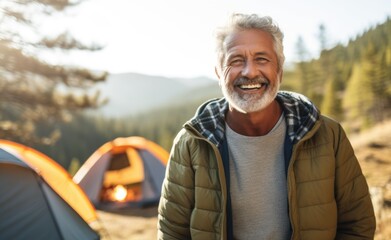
(256, 80)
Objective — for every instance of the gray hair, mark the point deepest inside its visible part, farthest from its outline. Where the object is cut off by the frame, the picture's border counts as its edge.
(240, 21)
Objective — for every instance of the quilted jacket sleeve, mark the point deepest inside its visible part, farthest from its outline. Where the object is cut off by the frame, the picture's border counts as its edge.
(177, 199)
(356, 219)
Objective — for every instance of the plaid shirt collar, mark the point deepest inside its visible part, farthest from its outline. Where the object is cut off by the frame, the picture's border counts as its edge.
(300, 116)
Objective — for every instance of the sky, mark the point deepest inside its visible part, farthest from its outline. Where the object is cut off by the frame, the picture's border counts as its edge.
(174, 38)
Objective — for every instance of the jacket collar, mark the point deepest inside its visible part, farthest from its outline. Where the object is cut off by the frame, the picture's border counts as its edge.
(300, 115)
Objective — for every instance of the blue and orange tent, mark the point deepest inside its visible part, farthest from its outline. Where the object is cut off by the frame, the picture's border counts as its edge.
(125, 172)
(38, 198)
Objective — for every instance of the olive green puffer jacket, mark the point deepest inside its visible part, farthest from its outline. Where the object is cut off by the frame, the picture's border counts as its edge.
(327, 193)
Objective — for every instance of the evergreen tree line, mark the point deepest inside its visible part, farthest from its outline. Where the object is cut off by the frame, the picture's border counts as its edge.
(351, 83)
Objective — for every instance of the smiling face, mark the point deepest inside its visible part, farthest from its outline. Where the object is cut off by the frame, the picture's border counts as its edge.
(249, 75)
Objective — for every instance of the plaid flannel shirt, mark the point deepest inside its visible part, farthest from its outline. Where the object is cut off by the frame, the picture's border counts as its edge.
(300, 114)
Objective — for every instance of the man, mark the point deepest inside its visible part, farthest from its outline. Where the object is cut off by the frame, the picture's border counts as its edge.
(259, 163)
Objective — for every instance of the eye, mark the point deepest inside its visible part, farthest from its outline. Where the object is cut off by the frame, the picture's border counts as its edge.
(261, 60)
(236, 62)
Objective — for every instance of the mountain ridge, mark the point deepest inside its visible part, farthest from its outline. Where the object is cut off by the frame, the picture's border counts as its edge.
(134, 93)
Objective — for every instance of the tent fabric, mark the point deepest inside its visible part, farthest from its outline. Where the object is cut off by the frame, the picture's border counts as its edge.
(31, 209)
(56, 176)
(134, 165)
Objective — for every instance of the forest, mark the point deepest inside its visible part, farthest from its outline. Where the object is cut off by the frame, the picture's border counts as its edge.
(348, 82)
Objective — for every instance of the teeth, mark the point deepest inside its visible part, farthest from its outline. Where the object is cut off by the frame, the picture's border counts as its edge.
(250, 86)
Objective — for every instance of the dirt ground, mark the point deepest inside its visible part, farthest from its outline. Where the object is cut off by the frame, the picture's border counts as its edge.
(373, 149)
(136, 224)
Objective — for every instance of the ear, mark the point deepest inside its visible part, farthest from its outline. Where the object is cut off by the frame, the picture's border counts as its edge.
(217, 73)
(280, 75)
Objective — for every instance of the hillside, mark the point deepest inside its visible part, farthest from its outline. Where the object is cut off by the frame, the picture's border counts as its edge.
(373, 149)
(133, 93)
(196, 95)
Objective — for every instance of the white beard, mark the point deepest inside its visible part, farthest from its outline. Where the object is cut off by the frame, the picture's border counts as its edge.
(247, 103)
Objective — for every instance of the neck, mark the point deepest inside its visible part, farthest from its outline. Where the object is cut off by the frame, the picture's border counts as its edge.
(255, 123)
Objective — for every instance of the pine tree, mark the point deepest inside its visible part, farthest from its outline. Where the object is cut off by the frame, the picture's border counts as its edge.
(375, 68)
(359, 99)
(302, 67)
(33, 90)
(331, 104)
(322, 36)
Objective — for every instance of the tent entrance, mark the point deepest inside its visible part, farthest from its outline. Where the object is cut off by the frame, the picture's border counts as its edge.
(124, 177)
(125, 172)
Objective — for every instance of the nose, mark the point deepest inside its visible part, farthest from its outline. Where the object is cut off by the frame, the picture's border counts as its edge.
(249, 70)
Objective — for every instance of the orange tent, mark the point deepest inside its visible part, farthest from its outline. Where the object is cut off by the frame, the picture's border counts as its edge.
(39, 198)
(125, 172)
